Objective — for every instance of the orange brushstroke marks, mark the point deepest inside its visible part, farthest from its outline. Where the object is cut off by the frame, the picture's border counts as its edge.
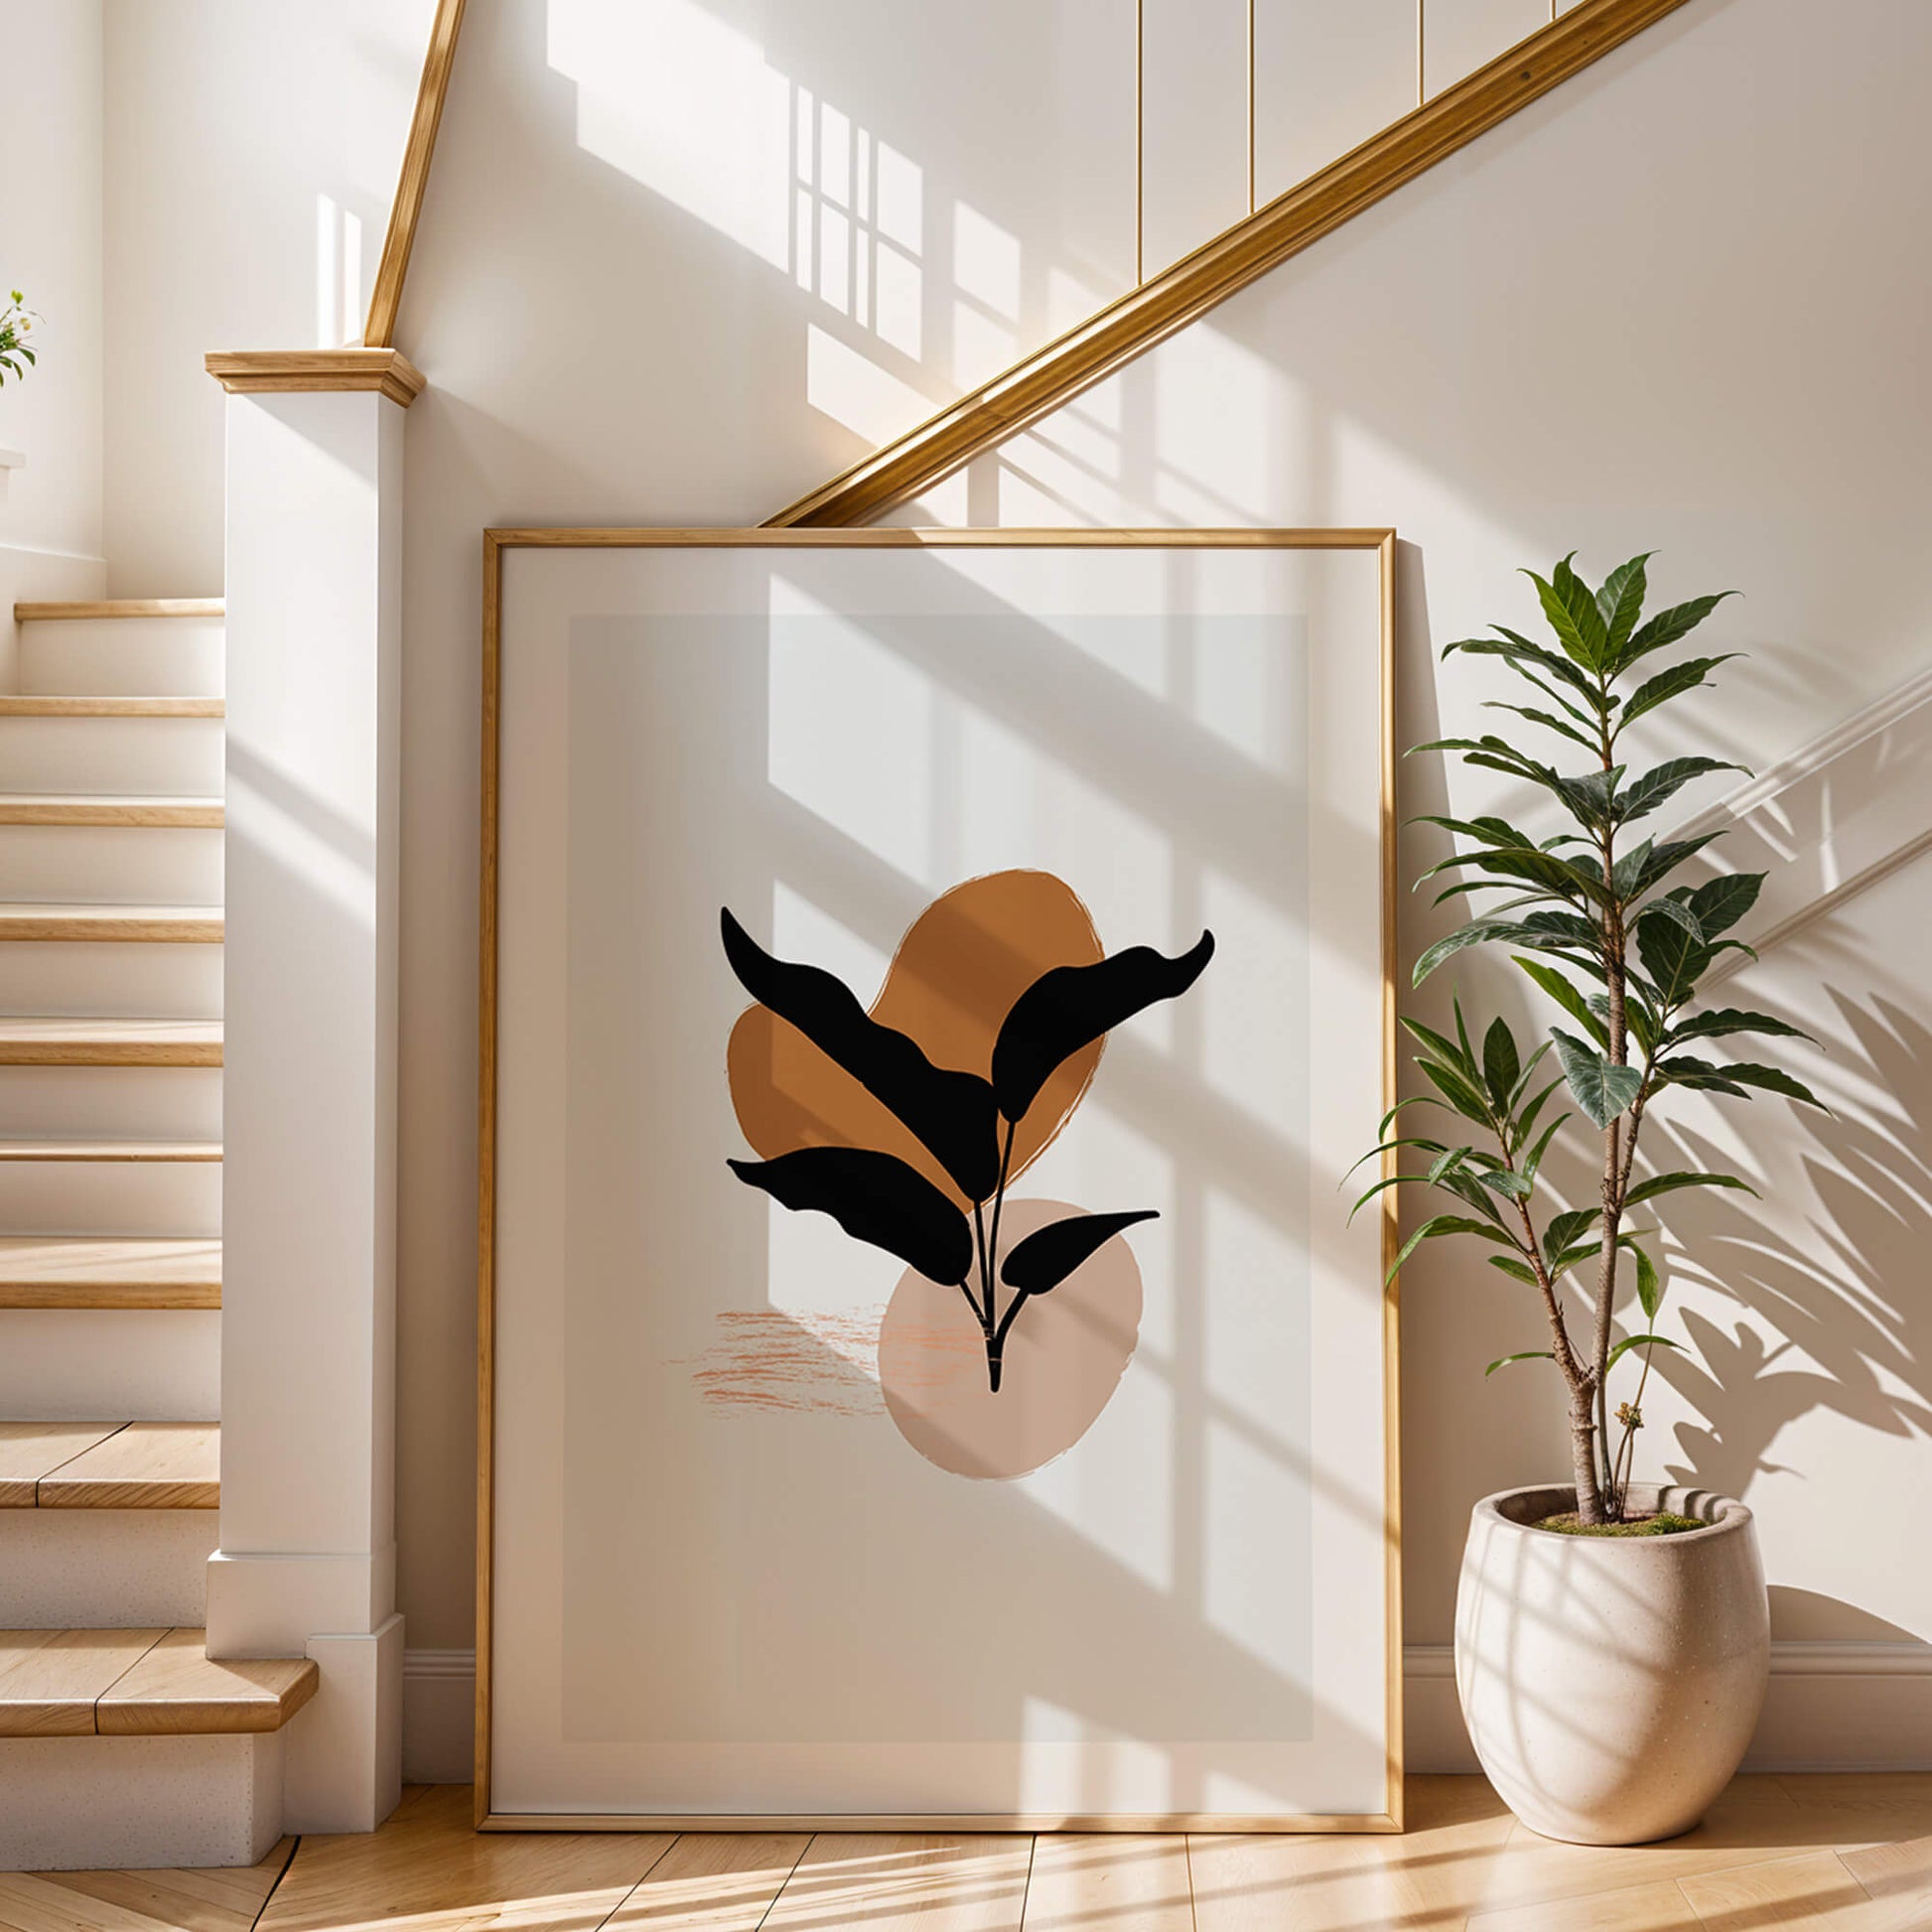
(775, 1360)
(961, 965)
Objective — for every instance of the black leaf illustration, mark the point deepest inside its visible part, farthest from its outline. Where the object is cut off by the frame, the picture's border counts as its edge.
(873, 1197)
(1068, 1006)
(1048, 1256)
(950, 1112)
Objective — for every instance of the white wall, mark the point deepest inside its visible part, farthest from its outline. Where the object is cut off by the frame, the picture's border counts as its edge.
(251, 157)
(50, 249)
(1666, 305)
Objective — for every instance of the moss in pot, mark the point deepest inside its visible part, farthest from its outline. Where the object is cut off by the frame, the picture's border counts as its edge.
(1596, 1722)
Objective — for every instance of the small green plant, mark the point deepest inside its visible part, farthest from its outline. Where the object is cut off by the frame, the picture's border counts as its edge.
(1599, 933)
(16, 325)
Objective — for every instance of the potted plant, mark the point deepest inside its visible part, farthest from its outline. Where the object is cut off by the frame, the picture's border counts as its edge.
(1612, 1639)
(16, 325)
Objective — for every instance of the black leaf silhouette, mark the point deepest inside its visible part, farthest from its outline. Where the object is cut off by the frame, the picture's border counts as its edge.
(951, 1112)
(1045, 1259)
(1068, 1006)
(873, 1197)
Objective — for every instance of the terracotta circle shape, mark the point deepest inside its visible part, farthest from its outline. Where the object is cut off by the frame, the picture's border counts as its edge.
(1065, 1356)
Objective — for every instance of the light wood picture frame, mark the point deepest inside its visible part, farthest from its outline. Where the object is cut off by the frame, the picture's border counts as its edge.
(592, 640)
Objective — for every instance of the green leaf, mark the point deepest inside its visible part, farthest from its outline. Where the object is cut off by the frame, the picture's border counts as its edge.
(1526, 1119)
(1591, 797)
(1721, 902)
(1511, 1186)
(1671, 956)
(1456, 1091)
(1665, 859)
(1446, 1162)
(1573, 615)
(1566, 996)
(1602, 1088)
(1536, 1154)
(1733, 1077)
(1650, 1286)
(1634, 1342)
(1473, 935)
(1441, 1046)
(1544, 719)
(1668, 1183)
(1620, 601)
(1650, 791)
(1517, 1269)
(1672, 683)
(1527, 1355)
(1500, 1062)
(1666, 627)
(1436, 1226)
(1731, 1020)
(1679, 912)
(1563, 1229)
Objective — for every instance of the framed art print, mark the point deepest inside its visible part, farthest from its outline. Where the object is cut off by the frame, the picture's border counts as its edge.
(934, 984)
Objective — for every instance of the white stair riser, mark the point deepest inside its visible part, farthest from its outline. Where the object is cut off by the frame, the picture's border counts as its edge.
(171, 756)
(75, 1804)
(111, 978)
(104, 1568)
(159, 1197)
(121, 658)
(127, 1365)
(111, 1103)
(111, 865)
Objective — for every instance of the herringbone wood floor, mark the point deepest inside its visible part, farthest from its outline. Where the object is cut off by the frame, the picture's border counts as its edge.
(1838, 1854)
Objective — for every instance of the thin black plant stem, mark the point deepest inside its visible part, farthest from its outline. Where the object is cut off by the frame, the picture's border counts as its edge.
(999, 1192)
(986, 1274)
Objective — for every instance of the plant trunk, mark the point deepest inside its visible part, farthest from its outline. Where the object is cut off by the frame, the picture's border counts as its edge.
(1583, 1454)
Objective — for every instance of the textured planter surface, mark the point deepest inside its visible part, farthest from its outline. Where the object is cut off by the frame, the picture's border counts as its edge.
(1610, 1684)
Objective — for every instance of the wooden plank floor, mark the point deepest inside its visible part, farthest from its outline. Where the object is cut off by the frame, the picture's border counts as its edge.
(1838, 1853)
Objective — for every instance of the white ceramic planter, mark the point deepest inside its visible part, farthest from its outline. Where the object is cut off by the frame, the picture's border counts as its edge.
(1610, 1684)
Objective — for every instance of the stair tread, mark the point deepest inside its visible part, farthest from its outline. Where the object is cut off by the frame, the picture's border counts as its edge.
(68, 611)
(91, 707)
(65, 1271)
(63, 808)
(53, 1150)
(67, 1040)
(149, 1683)
(110, 1466)
(202, 923)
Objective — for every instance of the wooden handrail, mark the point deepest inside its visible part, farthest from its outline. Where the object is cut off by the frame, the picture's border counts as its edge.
(387, 297)
(1040, 382)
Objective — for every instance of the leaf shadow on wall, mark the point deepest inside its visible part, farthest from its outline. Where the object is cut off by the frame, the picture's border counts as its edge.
(1841, 1324)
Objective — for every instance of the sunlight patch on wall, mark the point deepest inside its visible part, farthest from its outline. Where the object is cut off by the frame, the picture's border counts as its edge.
(677, 99)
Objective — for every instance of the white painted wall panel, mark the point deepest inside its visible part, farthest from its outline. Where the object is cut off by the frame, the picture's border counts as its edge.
(1327, 79)
(1194, 124)
(1460, 35)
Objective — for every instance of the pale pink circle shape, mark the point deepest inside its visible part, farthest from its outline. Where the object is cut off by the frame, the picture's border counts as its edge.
(1065, 1354)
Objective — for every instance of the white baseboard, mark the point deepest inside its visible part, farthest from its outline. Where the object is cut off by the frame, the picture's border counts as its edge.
(439, 1717)
(1832, 1706)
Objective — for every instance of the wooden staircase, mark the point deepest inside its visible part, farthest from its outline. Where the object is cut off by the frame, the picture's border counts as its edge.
(121, 1742)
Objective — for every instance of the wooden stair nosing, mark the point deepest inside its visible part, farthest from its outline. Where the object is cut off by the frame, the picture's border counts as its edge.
(145, 1683)
(79, 1041)
(169, 1465)
(16, 706)
(95, 1272)
(90, 608)
(112, 924)
(112, 1152)
(161, 813)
